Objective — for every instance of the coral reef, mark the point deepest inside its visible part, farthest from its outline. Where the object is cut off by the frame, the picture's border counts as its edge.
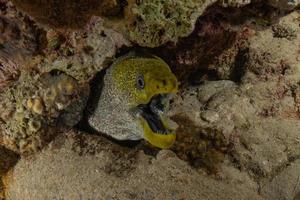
(38, 104)
(82, 53)
(259, 114)
(153, 23)
(55, 89)
(238, 105)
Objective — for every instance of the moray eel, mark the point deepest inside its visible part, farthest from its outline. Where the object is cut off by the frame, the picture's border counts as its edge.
(134, 101)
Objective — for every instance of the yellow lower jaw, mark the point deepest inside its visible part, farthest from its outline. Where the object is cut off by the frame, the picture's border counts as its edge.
(159, 140)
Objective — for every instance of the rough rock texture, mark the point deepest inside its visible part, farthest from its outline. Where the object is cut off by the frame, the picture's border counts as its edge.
(285, 185)
(38, 100)
(238, 135)
(259, 115)
(249, 127)
(235, 3)
(284, 4)
(153, 23)
(19, 40)
(90, 167)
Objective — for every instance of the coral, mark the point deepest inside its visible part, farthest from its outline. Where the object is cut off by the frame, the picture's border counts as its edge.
(38, 103)
(153, 23)
(83, 53)
(19, 41)
(53, 90)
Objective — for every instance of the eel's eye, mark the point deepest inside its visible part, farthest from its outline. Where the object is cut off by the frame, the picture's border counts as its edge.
(140, 83)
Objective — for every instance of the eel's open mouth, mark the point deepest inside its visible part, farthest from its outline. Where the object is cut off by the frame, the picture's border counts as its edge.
(155, 114)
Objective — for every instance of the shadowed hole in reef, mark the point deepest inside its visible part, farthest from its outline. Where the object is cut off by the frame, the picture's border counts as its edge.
(239, 68)
(193, 58)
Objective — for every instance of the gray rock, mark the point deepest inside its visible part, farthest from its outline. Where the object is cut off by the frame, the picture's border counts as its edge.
(90, 167)
(285, 186)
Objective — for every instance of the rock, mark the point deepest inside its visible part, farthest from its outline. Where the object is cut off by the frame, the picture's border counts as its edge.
(284, 4)
(18, 43)
(260, 115)
(285, 185)
(80, 166)
(152, 24)
(36, 98)
(235, 3)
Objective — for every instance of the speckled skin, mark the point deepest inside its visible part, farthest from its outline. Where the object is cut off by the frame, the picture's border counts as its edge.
(111, 115)
(114, 114)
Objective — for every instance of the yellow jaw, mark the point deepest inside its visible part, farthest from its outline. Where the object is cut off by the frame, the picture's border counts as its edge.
(158, 79)
(163, 141)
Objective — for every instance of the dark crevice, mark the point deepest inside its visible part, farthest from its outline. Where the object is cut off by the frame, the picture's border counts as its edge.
(239, 68)
(8, 159)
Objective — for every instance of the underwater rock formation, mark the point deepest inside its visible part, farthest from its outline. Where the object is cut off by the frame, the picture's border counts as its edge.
(284, 4)
(238, 135)
(19, 41)
(31, 107)
(235, 3)
(153, 23)
(90, 167)
(55, 89)
(259, 116)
